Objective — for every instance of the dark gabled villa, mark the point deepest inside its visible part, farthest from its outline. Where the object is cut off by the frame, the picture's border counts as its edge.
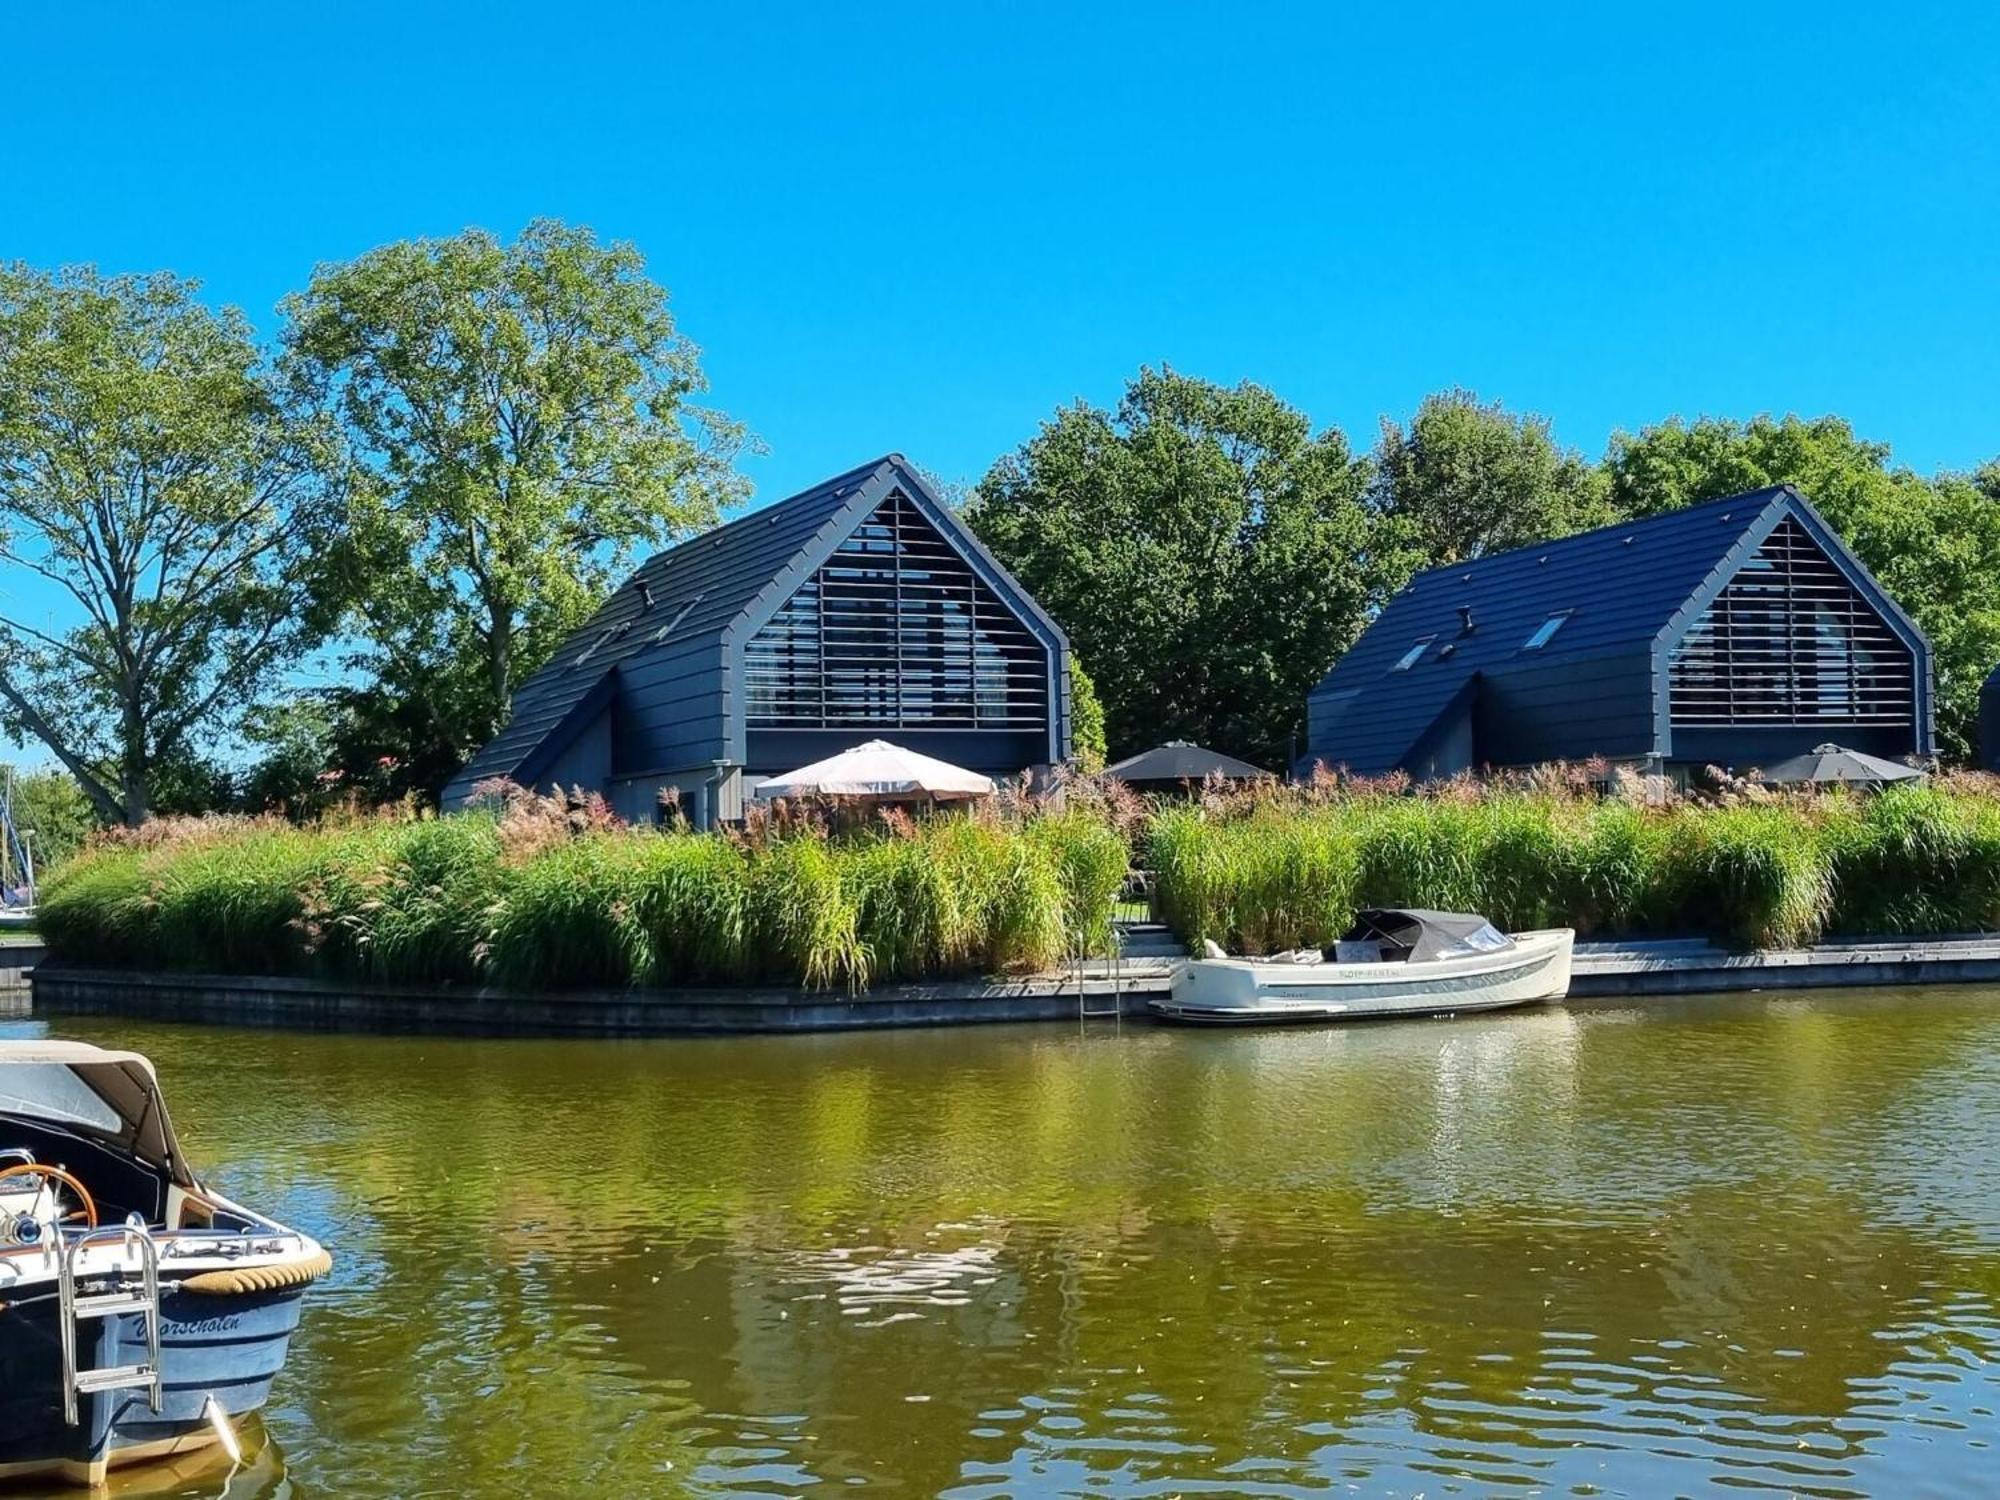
(1733, 633)
(860, 609)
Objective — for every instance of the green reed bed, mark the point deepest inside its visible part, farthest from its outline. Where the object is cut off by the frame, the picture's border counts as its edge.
(1281, 870)
(524, 900)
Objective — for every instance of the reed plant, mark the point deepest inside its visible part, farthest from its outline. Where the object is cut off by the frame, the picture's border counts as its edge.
(537, 894)
(99, 909)
(1280, 868)
(1915, 860)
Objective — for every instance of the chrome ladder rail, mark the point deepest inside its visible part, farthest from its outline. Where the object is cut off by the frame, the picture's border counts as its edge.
(75, 1310)
(1115, 972)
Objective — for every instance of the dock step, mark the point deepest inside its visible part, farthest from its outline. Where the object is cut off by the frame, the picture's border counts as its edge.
(1149, 940)
(115, 1378)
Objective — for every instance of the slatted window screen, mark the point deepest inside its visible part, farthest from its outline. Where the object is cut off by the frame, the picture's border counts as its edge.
(1790, 641)
(895, 630)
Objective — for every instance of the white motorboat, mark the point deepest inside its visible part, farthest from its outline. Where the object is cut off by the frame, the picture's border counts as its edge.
(1393, 962)
(141, 1313)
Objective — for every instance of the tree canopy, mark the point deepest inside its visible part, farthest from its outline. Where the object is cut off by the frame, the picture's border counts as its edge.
(155, 480)
(523, 420)
(1467, 477)
(1205, 550)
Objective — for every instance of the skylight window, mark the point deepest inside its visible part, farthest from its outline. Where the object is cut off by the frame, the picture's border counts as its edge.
(1414, 655)
(1545, 632)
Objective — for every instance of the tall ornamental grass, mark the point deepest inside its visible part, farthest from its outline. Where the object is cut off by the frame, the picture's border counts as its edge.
(1274, 871)
(537, 900)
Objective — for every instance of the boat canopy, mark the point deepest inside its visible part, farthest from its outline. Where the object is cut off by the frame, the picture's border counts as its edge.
(114, 1095)
(1409, 933)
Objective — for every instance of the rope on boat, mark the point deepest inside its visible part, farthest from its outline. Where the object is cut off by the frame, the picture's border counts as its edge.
(274, 1278)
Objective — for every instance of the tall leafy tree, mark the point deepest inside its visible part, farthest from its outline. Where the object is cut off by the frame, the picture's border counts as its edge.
(158, 492)
(1206, 551)
(1467, 477)
(524, 420)
(53, 814)
(1933, 543)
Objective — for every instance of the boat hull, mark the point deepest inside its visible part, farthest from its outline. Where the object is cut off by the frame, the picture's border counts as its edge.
(229, 1347)
(1242, 992)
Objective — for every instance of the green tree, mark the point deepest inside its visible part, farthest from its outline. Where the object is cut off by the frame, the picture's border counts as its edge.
(154, 481)
(53, 812)
(1204, 549)
(364, 740)
(1934, 544)
(1086, 721)
(1467, 478)
(523, 420)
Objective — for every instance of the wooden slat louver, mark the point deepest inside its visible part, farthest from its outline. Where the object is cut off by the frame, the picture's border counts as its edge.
(895, 630)
(1790, 641)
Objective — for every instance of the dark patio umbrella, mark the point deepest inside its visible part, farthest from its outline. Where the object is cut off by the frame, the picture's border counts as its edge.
(1824, 765)
(1178, 761)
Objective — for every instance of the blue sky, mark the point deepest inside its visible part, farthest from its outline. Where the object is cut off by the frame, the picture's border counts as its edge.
(923, 228)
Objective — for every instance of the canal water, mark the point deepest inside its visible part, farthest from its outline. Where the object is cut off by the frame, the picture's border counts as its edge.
(1681, 1247)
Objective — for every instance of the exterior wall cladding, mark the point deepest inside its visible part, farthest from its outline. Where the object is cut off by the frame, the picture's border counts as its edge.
(1734, 633)
(859, 609)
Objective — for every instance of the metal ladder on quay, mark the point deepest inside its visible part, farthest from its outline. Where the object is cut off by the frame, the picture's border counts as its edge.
(79, 1308)
(1116, 1010)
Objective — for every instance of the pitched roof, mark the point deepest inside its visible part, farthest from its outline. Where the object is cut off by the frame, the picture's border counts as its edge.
(698, 591)
(1617, 587)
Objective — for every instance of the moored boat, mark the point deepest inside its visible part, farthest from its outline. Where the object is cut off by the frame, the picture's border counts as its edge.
(140, 1312)
(1393, 962)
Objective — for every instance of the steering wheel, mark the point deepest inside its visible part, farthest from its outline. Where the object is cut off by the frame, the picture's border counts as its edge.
(60, 1178)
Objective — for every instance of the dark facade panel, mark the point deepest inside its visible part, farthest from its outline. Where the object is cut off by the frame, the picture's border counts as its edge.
(1569, 710)
(1989, 721)
(1000, 754)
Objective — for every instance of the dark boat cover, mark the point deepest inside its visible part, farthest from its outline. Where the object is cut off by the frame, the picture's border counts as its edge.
(1409, 933)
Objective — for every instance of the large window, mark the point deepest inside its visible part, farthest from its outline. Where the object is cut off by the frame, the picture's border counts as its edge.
(896, 630)
(1790, 641)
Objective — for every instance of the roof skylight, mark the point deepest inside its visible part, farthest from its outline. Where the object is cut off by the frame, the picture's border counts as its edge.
(1545, 631)
(1414, 655)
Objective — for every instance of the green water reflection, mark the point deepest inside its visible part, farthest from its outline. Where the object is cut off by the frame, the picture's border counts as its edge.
(1699, 1247)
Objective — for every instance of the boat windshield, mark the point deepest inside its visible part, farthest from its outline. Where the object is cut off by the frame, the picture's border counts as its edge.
(48, 1091)
(1405, 935)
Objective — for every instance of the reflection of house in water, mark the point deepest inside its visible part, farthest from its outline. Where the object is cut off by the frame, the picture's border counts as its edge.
(856, 1330)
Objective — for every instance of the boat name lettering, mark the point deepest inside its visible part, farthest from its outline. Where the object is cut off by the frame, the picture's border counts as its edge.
(225, 1324)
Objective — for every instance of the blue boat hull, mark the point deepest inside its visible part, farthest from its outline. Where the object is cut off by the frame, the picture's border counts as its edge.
(230, 1347)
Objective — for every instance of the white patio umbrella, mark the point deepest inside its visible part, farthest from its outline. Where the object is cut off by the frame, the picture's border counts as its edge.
(882, 772)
